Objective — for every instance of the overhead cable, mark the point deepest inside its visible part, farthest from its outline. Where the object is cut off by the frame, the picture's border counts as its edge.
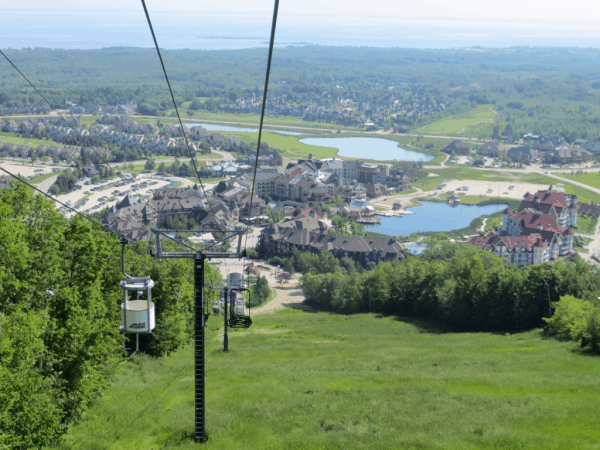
(175, 103)
(51, 198)
(91, 219)
(53, 108)
(262, 114)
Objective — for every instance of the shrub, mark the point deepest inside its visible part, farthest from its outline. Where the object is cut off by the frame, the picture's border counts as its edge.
(575, 319)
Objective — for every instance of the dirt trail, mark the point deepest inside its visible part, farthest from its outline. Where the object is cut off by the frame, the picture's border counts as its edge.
(285, 296)
(482, 228)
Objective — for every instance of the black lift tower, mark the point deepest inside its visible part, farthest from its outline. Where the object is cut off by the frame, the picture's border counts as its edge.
(200, 258)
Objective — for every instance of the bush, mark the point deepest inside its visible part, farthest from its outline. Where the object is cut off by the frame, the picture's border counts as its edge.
(575, 319)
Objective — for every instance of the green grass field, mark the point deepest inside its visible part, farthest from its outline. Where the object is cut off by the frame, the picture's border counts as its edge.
(586, 224)
(437, 143)
(591, 179)
(582, 194)
(255, 119)
(137, 168)
(476, 200)
(207, 180)
(468, 124)
(14, 139)
(290, 145)
(581, 243)
(323, 381)
(40, 178)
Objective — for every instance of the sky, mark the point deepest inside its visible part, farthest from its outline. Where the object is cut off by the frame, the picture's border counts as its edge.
(376, 23)
(535, 11)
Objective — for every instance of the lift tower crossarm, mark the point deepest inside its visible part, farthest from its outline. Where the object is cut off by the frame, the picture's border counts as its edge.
(160, 253)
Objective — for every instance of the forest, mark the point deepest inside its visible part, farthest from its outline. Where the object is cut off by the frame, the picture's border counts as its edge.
(456, 287)
(59, 315)
(539, 90)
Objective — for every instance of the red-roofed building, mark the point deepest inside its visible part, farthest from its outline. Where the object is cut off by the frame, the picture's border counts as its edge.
(319, 215)
(562, 206)
(539, 231)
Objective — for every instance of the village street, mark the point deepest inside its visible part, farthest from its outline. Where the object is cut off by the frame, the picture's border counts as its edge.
(285, 293)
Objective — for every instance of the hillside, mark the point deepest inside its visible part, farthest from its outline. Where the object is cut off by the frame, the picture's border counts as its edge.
(301, 380)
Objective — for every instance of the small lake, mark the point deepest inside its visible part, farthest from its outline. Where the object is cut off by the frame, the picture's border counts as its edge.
(368, 148)
(217, 127)
(432, 216)
(416, 249)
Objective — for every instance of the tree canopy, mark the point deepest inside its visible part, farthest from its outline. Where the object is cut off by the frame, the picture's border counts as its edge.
(58, 351)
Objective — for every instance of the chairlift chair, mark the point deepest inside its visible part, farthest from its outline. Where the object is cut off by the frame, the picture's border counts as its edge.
(237, 309)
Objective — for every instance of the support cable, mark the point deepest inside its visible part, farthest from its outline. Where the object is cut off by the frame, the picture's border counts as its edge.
(55, 110)
(187, 144)
(52, 198)
(175, 103)
(262, 114)
(94, 221)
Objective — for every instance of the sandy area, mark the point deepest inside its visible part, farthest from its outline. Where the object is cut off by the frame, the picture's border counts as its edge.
(285, 296)
(24, 170)
(465, 160)
(498, 188)
(476, 187)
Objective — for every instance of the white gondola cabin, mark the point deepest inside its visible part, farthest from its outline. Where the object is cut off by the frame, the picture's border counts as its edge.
(137, 316)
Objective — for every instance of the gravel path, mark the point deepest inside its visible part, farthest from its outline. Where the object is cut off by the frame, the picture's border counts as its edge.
(285, 296)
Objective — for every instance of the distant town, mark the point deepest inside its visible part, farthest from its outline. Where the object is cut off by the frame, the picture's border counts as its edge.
(299, 197)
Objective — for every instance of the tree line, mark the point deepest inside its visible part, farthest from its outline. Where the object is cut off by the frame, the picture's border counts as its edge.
(557, 95)
(458, 286)
(59, 315)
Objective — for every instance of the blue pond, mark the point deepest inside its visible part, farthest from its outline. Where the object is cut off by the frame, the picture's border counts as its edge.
(433, 216)
(415, 249)
(369, 148)
(216, 127)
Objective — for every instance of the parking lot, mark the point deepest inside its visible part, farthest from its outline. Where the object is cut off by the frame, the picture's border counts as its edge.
(91, 198)
(26, 170)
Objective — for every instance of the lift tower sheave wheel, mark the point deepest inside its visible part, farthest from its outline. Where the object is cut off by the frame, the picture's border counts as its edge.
(200, 423)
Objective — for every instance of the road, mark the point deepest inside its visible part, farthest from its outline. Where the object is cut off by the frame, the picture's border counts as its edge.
(285, 295)
(398, 197)
(45, 185)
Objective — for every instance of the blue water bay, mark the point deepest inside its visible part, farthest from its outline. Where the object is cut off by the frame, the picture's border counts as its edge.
(433, 216)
